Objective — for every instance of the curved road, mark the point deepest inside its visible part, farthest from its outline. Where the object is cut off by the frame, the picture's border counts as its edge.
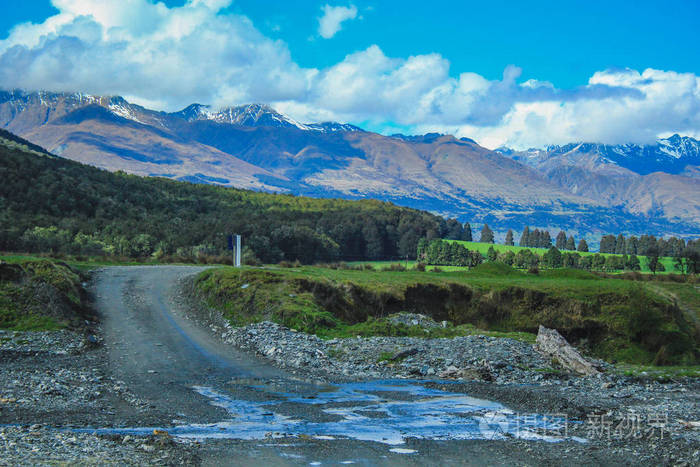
(154, 347)
(184, 378)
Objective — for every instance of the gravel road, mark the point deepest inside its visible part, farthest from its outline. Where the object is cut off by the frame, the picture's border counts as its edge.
(221, 398)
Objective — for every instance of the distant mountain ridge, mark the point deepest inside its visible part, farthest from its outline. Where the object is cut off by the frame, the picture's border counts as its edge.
(669, 155)
(254, 146)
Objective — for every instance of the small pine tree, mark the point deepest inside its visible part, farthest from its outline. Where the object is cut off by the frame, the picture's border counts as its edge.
(582, 246)
(561, 240)
(546, 239)
(467, 233)
(570, 243)
(486, 234)
(525, 237)
(491, 255)
(509, 238)
(620, 247)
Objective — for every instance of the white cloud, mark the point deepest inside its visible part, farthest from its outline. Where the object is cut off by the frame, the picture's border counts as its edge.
(333, 17)
(172, 57)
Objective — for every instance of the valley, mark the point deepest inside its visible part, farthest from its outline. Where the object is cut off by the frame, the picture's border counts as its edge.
(255, 147)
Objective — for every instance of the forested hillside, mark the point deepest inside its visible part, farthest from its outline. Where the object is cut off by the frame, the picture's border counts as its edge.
(49, 204)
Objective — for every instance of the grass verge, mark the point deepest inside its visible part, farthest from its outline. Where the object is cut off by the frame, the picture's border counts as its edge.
(614, 319)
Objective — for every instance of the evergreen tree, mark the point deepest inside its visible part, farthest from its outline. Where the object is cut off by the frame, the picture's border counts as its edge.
(491, 254)
(598, 262)
(552, 259)
(582, 246)
(633, 263)
(486, 234)
(646, 244)
(525, 237)
(467, 233)
(509, 258)
(546, 239)
(607, 244)
(561, 240)
(631, 245)
(454, 230)
(509, 238)
(475, 258)
(620, 247)
(571, 243)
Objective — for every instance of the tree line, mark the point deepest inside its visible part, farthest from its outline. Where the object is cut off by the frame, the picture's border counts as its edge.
(445, 253)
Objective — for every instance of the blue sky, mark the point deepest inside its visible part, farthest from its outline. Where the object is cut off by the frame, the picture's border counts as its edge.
(505, 72)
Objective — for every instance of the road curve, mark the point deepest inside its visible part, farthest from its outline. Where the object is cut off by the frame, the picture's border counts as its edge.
(157, 351)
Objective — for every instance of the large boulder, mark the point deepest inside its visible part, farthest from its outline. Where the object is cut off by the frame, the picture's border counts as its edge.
(552, 344)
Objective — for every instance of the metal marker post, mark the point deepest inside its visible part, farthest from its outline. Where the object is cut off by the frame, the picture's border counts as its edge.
(238, 251)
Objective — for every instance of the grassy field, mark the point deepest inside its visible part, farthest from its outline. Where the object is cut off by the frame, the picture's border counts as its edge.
(613, 318)
(484, 247)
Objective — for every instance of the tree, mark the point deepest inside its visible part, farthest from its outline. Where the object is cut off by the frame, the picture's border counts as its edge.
(508, 258)
(491, 254)
(653, 259)
(582, 246)
(598, 262)
(570, 260)
(546, 240)
(571, 243)
(552, 258)
(692, 259)
(633, 263)
(454, 230)
(525, 237)
(422, 249)
(467, 233)
(607, 244)
(561, 240)
(620, 247)
(509, 238)
(486, 234)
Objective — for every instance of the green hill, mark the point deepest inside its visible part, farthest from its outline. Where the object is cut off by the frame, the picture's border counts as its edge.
(52, 205)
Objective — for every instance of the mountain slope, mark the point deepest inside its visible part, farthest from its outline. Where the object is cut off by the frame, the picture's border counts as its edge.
(620, 175)
(256, 147)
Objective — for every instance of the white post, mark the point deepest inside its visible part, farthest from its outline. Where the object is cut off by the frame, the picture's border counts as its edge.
(238, 251)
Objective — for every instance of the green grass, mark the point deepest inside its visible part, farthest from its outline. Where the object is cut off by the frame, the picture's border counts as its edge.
(39, 295)
(661, 373)
(483, 248)
(614, 318)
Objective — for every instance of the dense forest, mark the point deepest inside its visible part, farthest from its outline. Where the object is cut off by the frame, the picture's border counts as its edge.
(52, 205)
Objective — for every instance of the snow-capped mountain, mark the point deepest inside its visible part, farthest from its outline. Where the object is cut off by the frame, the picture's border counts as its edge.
(669, 155)
(52, 105)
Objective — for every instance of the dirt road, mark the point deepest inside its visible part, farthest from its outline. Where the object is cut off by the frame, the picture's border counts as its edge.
(159, 369)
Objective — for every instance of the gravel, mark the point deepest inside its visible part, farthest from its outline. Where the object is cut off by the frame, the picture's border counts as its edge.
(643, 420)
(59, 379)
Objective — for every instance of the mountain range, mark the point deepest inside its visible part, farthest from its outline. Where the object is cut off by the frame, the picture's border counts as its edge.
(584, 188)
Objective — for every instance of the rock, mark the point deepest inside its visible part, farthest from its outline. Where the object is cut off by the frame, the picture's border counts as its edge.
(403, 354)
(553, 344)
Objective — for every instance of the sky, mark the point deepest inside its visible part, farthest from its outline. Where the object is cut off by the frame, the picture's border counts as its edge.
(513, 73)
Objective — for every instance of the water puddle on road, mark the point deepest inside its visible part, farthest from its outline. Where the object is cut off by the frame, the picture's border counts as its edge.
(387, 412)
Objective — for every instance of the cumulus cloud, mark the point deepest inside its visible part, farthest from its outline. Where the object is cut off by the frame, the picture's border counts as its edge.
(170, 57)
(333, 17)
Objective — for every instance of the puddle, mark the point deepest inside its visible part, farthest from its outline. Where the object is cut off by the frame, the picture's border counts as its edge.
(408, 409)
